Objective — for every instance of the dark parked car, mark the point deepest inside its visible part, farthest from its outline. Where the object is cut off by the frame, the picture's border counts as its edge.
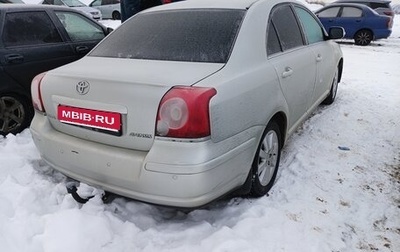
(381, 6)
(360, 22)
(33, 39)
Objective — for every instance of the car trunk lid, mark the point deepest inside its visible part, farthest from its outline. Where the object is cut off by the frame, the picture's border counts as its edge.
(115, 101)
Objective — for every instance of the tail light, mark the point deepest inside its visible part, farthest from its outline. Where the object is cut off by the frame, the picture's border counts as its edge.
(389, 13)
(36, 92)
(184, 112)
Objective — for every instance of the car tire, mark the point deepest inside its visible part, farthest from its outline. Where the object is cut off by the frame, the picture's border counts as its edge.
(332, 93)
(266, 161)
(116, 15)
(363, 37)
(15, 113)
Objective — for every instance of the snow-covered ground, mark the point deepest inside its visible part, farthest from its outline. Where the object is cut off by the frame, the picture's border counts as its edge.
(325, 199)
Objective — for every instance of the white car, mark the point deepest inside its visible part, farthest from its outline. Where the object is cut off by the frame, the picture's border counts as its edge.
(109, 8)
(78, 5)
(187, 102)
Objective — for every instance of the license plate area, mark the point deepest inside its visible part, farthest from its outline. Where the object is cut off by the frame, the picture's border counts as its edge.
(97, 120)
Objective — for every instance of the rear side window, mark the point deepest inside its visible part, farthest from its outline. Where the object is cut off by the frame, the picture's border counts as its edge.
(287, 28)
(379, 5)
(330, 12)
(273, 45)
(97, 3)
(111, 1)
(31, 28)
(351, 12)
(179, 35)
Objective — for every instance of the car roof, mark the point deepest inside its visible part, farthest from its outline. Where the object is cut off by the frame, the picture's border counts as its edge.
(33, 7)
(363, 1)
(336, 4)
(194, 4)
(361, 6)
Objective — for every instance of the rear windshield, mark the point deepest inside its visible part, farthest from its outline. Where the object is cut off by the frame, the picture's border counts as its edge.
(179, 35)
(380, 5)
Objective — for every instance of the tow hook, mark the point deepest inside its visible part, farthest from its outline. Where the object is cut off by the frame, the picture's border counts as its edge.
(71, 189)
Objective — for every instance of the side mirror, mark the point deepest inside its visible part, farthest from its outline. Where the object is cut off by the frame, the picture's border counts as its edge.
(336, 33)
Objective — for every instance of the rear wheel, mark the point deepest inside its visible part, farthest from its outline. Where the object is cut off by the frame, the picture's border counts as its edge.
(363, 37)
(266, 161)
(15, 113)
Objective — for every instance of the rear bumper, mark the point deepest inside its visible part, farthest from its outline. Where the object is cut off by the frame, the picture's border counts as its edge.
(180, 174)
(382, 34)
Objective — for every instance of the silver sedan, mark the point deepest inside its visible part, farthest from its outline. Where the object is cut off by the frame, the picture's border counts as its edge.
(109, 8)
(187, 102)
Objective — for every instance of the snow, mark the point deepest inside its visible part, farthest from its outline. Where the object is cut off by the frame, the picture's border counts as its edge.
(326, 198)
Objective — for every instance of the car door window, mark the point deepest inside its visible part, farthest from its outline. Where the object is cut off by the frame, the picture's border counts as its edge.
(79, 28)
(287, 28)
(330, 12)
(351, 12)
(29, 29)
(96, 3)
(108, 2)
(311, 27)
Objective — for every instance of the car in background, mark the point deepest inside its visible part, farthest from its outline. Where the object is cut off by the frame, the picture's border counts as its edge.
(360, 22)
(396, 8)
(33, 39)
(383, 7)
(78, 5)
(109, 8)
(179, 120)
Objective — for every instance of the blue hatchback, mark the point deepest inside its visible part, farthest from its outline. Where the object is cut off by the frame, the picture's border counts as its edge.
(360, 22)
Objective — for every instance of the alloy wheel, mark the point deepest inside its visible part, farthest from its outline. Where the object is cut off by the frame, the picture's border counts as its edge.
(363, 37)
(268, 157)
(12, 114)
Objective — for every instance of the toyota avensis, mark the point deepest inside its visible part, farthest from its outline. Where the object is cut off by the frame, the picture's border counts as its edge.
(186, 102)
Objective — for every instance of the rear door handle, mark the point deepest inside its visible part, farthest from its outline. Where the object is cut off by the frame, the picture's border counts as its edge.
(14, 58)
(319, 57)
(288, 72)
(82, 49)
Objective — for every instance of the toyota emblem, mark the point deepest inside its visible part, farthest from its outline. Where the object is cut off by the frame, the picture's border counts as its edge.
(82, 87)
